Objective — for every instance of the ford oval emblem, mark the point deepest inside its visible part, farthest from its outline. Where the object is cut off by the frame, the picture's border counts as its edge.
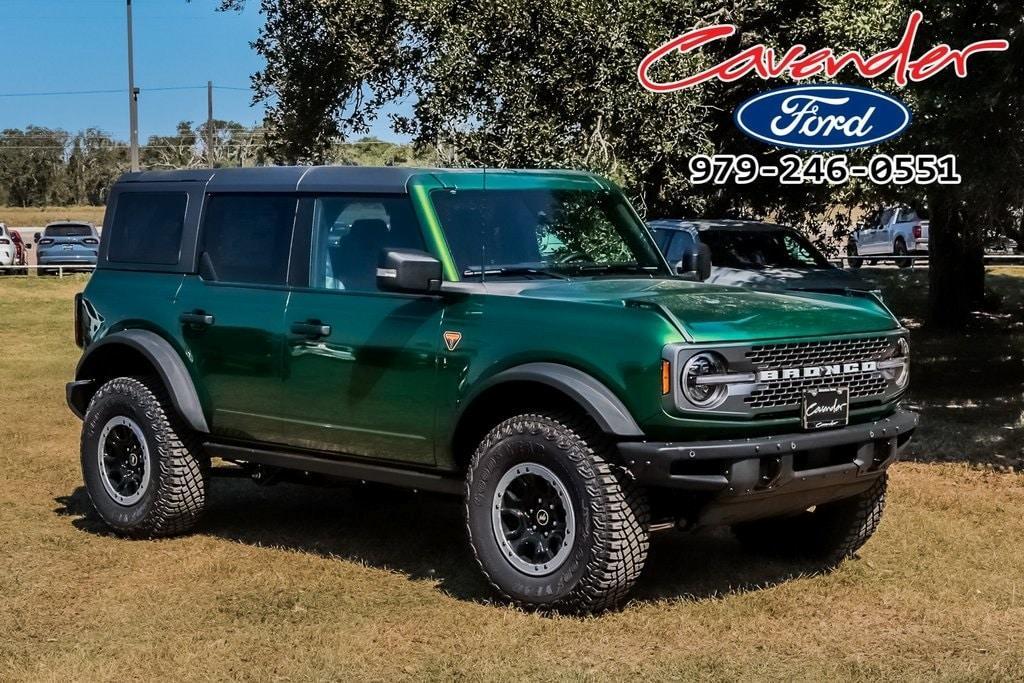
(822, 117)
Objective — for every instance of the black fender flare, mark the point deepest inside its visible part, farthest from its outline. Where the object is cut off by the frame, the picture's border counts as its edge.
(169, 367)
(599, 402)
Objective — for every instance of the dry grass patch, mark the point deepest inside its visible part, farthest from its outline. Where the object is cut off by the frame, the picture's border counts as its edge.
(38, 216)
(299, 583)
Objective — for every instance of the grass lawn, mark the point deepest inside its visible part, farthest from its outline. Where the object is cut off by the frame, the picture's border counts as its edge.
(299, 583)
(38, 216)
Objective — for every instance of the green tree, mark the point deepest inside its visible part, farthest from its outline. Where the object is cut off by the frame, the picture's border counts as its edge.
(180, 150)
(94, 162)
(31, 165)
(977, 118)
(528, 84)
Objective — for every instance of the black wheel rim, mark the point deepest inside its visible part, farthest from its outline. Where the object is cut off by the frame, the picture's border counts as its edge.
(123, 460)
(533, 519)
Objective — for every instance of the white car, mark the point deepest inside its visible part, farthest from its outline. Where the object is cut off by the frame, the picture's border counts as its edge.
(8, 251)
(894, 231)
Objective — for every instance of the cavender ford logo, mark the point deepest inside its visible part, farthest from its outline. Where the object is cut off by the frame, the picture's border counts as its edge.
(811, 371)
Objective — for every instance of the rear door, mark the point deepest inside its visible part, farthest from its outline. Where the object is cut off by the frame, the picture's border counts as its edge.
(872, 240)
(360, 364)
(232, 313)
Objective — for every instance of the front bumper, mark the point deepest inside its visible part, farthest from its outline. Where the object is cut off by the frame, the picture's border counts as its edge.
(768, 476)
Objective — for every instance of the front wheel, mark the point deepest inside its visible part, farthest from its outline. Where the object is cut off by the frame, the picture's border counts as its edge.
(828, 534)
(551, 521)
(143, 471)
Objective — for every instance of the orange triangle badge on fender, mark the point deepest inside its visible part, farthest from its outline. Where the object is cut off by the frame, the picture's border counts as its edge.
(452, 339)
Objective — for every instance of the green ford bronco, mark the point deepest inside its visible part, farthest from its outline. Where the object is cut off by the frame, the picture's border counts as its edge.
(512, 337)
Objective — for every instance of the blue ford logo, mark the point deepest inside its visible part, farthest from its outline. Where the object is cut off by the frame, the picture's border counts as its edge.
(822, 117)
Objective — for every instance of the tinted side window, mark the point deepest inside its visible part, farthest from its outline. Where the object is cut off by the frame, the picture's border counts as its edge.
(246, 238)
(147, 228)
(680, 243)
(349, 234)
(662, 238)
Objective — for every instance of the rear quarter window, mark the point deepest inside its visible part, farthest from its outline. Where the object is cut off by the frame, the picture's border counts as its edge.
(147, 228)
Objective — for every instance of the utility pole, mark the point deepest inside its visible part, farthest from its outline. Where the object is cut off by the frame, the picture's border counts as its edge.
(133, 96)
(210, 133)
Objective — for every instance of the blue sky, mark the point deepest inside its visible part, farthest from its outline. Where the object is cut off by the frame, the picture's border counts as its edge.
(73, 45)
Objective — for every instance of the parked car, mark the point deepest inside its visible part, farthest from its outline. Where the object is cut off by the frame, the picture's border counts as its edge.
(67, 244)
(755, 254)
(8, 250)
(418, 328)
(1002, 246)
(899, 231)
(20, 251)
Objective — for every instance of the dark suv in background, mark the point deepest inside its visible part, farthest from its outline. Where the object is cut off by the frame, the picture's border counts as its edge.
(511, 337)
(755, 254)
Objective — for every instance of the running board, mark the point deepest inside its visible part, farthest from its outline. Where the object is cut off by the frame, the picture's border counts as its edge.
(347, 469)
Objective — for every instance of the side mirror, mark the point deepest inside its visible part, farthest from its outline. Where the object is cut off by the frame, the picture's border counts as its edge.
(35, 237)
(695, 264)
(28, 245)
(408, 270)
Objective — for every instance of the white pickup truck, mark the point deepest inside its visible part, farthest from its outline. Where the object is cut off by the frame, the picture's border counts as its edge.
(898, 231)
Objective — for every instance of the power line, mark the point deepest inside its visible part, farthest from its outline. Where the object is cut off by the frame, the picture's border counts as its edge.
(117, 91)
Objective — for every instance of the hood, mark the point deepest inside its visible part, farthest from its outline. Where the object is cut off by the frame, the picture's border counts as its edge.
(710, 313)
(806, 279)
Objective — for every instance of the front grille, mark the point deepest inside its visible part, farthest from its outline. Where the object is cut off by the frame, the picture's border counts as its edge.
(788, 392)
(799, 354)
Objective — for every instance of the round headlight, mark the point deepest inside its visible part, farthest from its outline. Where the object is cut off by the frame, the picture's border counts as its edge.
(902, 352)
(703, 396)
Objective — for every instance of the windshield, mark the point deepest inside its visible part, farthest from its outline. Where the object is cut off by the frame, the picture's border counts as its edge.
(756, 249)
(543, 232)
(68, 231)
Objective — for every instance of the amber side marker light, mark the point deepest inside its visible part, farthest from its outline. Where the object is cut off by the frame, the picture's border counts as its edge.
(666, 377)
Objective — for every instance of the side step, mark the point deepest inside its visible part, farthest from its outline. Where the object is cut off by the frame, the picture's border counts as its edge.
(347, 469)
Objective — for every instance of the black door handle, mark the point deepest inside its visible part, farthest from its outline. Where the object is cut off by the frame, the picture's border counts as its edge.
(196, 318)
(314, 329)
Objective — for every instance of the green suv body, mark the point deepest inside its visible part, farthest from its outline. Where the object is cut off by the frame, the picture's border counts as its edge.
(514, 337)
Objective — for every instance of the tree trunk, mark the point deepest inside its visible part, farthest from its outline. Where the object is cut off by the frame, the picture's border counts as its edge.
(956, 273)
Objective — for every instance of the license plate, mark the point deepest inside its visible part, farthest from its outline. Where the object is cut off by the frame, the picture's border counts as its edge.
(67, 247)
(825, 408)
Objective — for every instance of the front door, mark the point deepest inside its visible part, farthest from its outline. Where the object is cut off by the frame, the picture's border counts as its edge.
(232, 314)
(360, 365)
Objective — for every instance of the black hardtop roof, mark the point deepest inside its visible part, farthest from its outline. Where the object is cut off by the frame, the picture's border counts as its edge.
(370, 179)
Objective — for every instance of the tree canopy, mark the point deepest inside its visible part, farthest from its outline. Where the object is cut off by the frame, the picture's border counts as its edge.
(518, 83)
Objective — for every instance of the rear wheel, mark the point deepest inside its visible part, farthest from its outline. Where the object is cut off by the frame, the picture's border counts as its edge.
(828, 534)
(899, 248)
(143, 471)
(551, 521)
(851, 251)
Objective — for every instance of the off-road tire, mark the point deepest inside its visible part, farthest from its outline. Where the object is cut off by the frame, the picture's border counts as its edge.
(852, 261)
(828, 535)
(174, 500)
(611, 514)
(899, 248)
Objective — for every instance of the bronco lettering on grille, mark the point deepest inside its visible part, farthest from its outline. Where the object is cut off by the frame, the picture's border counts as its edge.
(811, 371)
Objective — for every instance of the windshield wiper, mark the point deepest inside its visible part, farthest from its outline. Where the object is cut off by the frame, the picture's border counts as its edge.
(615, 268)
(515, 270)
